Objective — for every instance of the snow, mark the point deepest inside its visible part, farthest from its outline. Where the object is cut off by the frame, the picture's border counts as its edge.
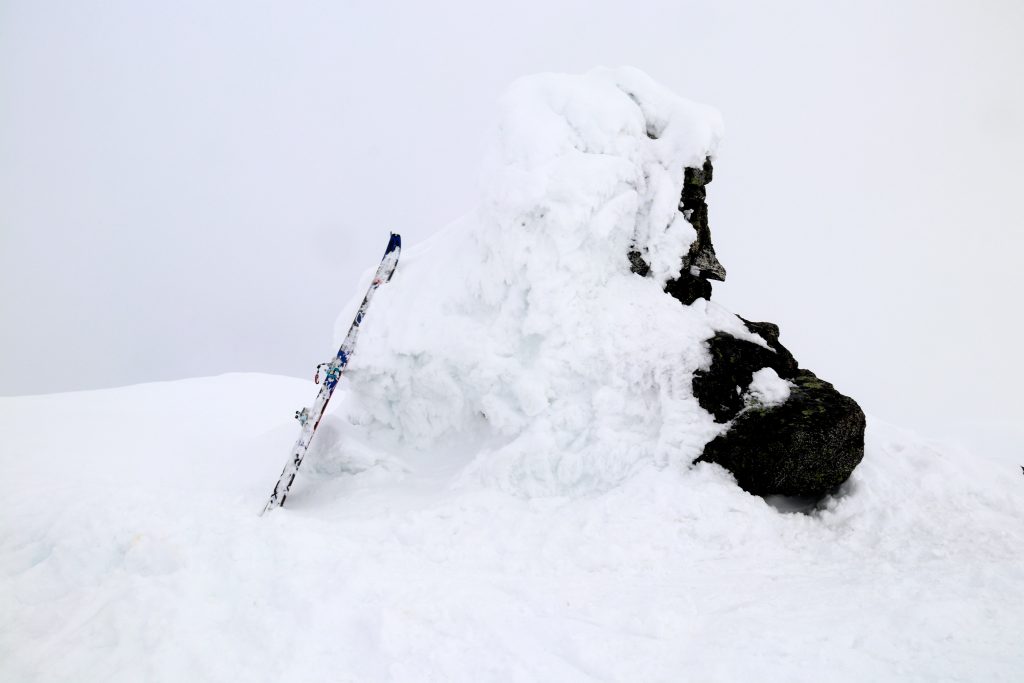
(130, 549)
(521, 323)
(504, 486)
(767, 389)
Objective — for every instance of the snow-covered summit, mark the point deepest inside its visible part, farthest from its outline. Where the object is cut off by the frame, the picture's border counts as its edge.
(515, 348)
(594, 163)
(523, 324)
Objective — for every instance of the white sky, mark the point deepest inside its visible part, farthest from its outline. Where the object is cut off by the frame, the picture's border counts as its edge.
(192, 188)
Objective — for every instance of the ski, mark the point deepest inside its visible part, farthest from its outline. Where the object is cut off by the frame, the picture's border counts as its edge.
(309, 418)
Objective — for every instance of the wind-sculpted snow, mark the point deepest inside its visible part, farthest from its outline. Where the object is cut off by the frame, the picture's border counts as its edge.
(522, 323)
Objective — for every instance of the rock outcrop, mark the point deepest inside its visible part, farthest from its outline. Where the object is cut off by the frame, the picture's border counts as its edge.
(804, 446)
(733, 364)
(700, 265)
(525, 333)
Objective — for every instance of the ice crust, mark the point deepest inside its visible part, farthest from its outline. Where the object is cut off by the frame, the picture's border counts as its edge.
(522, 324)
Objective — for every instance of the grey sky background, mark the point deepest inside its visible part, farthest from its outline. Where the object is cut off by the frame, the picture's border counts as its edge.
(192, 188)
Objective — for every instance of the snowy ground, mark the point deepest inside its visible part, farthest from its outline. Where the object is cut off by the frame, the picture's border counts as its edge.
(503, 489)
(131, 550)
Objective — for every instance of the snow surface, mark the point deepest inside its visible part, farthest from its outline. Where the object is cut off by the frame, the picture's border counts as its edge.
(767, 389)
(504, 489)
(131, 550)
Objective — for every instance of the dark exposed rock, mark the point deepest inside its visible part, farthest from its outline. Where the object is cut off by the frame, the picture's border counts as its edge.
(688, 288)
(805, 447)
(700, 263)
(786, 365)
(637, 263)
(693, 204)
(733, 364)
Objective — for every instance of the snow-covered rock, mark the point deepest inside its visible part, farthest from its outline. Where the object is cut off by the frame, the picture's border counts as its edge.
(786, 432)
(537, 331)
(796, 437)
(523, 325)
(767, 389)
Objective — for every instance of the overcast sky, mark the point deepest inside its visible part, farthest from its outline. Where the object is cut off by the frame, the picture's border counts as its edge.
(195, 187)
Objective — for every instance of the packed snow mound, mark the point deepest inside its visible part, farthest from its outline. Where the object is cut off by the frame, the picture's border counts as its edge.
(522, 323)
(767, 389)
(592, 166)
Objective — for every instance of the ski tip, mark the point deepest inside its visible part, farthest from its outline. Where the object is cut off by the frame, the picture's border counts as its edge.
(394, 243)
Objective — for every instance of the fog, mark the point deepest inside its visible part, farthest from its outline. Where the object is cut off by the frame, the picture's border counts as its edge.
(195, 188)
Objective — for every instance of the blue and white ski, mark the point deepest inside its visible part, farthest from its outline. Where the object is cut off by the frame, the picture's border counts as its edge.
(309, 418)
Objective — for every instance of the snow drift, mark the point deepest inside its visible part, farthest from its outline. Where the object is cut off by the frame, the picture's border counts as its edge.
(522, 323)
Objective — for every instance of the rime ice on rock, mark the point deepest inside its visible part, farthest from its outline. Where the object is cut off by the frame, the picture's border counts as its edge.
(524, 326)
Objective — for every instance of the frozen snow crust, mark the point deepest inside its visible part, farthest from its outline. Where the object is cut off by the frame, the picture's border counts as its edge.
(522, 324)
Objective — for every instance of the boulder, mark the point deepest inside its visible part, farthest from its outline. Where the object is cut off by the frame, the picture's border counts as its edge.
(719, 390)
(806, 443)
(805, 446)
